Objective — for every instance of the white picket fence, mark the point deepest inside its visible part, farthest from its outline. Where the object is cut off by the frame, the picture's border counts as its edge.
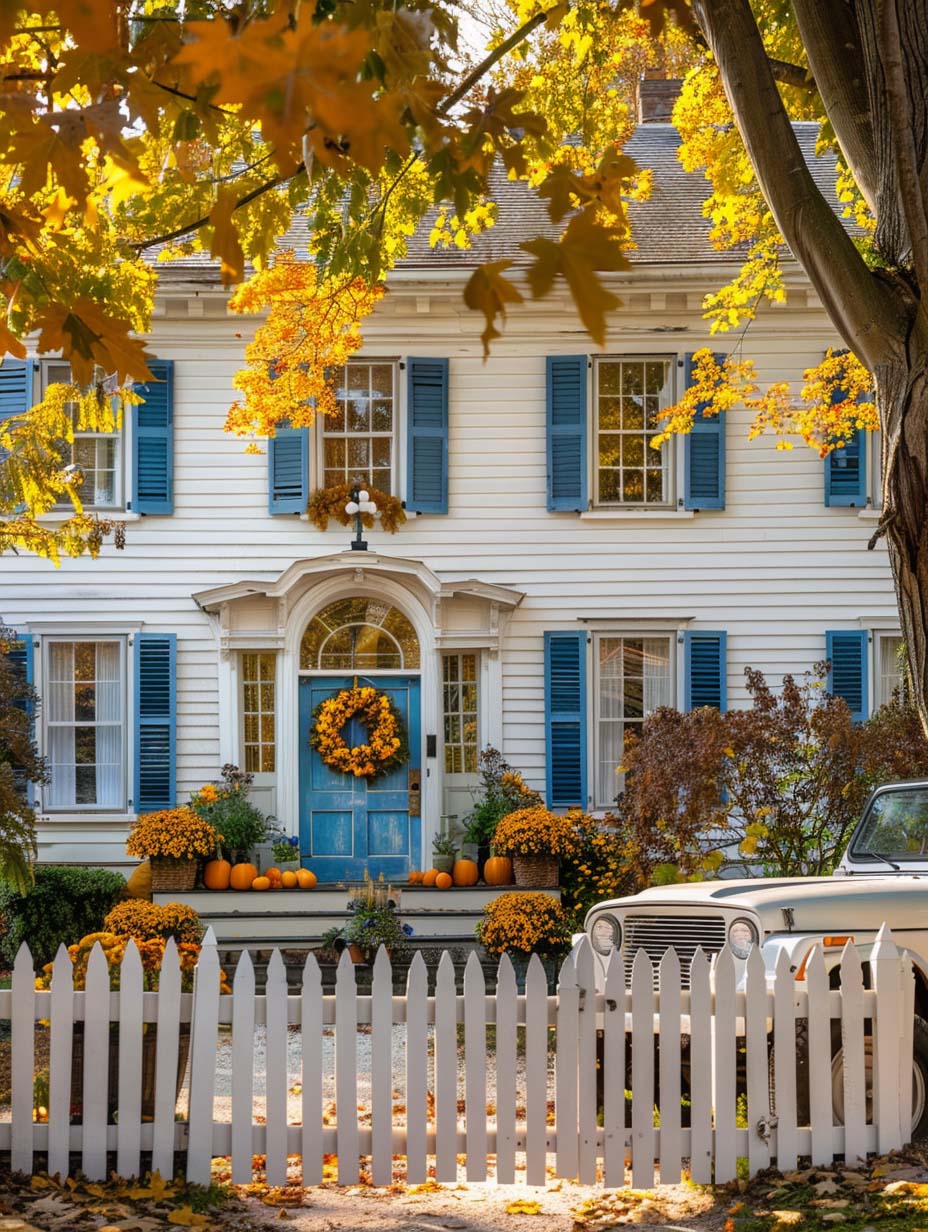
(702, 1029)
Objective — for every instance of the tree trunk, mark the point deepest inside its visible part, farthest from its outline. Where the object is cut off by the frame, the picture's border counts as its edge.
(902, 395)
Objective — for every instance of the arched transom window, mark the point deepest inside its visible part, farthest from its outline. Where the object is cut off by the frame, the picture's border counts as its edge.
(360, 634)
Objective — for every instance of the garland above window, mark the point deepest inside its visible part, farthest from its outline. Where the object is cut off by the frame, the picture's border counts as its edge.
(327, 504)
(386, 747)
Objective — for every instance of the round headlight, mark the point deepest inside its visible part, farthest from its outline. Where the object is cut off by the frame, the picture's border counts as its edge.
(605, 934)
(741, 936)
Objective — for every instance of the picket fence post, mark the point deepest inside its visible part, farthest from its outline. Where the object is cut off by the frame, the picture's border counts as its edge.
(642, 1072)
(446, 1072)
(203, 1040)
(884, 964)
(22, 1060)
(614, 1074)
(669, 1069)
(311, 1099)
(566, 1104)
(758, 1065)
(700, 1069)
(506, 1029)
(586, 1063)
(475, 1068)
(129, 1123)
(346, 1071)
(381, 1070)
(243, 1069)
(852, 1054)
(417, 1070)
(536, 1071)
(723, 1067)
(59, 1063)
(166, 1058)
(275, 1000)
(784, 1063)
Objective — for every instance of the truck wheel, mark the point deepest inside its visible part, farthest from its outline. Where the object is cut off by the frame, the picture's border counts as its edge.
(919, 1078)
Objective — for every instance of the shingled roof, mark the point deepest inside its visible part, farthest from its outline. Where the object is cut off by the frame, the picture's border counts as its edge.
(668, 229)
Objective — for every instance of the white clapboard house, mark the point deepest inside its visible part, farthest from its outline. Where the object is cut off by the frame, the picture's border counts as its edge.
(556, 580)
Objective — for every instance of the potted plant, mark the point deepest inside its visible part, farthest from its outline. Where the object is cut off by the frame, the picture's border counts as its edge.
(444, 851)
(536, 839)
(174, 840)
(285, 852)
(502, 790)
(226, 806)
(521, 925)
(373, 922)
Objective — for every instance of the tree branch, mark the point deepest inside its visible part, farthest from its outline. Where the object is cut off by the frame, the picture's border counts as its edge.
(865, 311)
(907, 169)
(832, 41)
(514, 39)
(792, 74)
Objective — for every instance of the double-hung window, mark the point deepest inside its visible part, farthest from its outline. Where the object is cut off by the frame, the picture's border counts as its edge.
(84, 717)
(359, 440)
(459, 694)
(634, 675)
(628, 396)
(98, 454)
(889, 667)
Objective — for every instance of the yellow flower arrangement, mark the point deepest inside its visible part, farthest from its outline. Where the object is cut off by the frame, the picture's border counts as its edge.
(114, 949)
(147, 921)
(328, 504)
(172, 834)
(386, 745)
(535, 831)
(599, 867)
(525, 923)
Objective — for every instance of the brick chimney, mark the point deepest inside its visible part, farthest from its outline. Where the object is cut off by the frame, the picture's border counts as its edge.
(656, 97)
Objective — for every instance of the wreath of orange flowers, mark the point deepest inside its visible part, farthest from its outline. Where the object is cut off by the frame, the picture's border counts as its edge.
(386, 745)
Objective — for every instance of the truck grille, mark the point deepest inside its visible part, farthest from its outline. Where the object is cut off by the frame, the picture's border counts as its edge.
(656, 933)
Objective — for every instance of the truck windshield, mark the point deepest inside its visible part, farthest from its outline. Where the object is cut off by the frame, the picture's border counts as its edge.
(896, 827)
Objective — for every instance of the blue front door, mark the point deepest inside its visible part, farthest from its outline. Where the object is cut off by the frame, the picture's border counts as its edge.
(348, 824)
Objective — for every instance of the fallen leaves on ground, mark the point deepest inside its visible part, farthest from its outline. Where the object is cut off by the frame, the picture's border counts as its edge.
(146, 1205)
(523, 1207)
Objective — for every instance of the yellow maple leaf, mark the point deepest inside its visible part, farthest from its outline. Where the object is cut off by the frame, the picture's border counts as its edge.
(523, 1207)
(88, 336)
(186, 1217)
(487, 291)
(225, 243)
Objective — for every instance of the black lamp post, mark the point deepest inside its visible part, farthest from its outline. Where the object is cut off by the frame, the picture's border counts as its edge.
(359, 502)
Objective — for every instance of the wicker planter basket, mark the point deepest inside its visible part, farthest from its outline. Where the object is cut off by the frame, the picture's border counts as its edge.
(170, 875)
(535, 872)
(149, 1049)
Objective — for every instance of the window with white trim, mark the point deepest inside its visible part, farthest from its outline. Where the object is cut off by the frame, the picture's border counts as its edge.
(460, 695)
(359, 440)
(628, 396)
(875, 469)
(889, 671)
(259, 671)
(84, 722)
(634, 675)
(98, 454)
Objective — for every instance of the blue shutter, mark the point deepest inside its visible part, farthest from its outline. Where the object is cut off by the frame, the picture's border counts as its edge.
(846, 651)
(427, 435)
(704, 669)
(155, 659)
(565, 719)
(15, 386)
(288, 471)
(846, 468)
(153, 442)
(567, 431)
(704, 454)
(21, 655)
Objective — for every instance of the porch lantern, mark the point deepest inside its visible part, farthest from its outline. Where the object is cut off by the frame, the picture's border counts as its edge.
(359, 502)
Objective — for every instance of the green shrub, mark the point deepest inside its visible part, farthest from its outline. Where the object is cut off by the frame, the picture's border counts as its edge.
(64, 905)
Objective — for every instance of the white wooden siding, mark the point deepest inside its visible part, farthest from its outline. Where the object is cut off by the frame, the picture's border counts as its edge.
(775, 568)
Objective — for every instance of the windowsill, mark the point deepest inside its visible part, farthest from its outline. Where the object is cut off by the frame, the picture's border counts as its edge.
(870, 514)
(638, 515)
(110, 515)
(84, 819)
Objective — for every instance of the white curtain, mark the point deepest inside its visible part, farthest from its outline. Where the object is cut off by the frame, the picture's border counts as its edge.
(84, 719)
(634, 679)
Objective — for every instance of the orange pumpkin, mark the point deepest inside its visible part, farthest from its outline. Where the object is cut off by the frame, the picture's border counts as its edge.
(242, 876)
(272, 872)
(305, 878)
(444, 881)
(261, 883)
(217, 874)
(288, 880)
(414, 877)
(498, 871)
(428, 879)
(465, 873)
(275, 877)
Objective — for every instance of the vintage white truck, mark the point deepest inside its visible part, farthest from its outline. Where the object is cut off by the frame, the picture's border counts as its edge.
(883, 876)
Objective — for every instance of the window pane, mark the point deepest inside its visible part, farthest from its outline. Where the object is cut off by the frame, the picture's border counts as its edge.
(891, 668)
(633, 678)
(460, 720)
(84, 725)
(629, 396)
(365, 628)
(365, 394)
(258, 713)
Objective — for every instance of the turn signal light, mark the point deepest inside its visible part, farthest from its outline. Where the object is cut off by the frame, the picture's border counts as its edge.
(829, 943)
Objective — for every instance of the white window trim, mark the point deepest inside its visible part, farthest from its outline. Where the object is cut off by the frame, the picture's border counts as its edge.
(875, 637)
(317, 442)
(595, 633)
(675, 477)
(96, 633)
(123, 438)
